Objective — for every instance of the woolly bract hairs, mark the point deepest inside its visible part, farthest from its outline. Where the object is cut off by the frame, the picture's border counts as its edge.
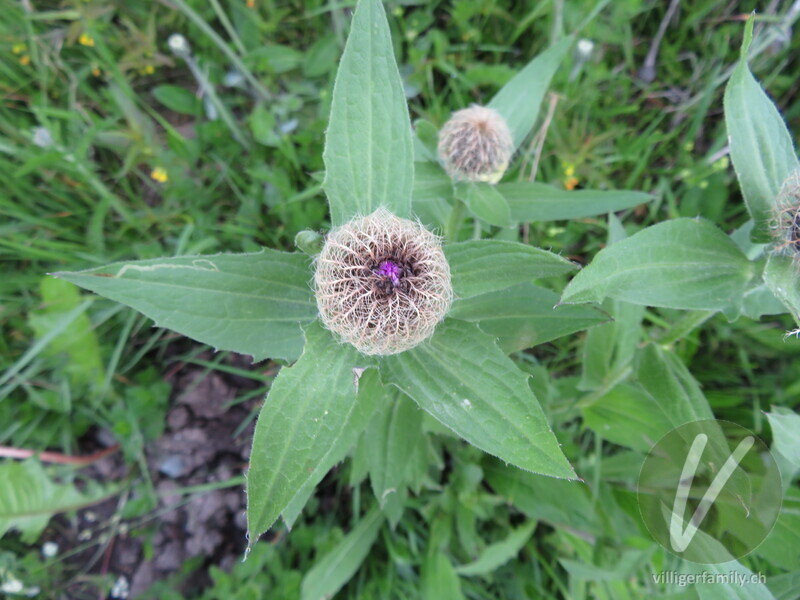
(785, 221)
(475, 144)
(377, 313)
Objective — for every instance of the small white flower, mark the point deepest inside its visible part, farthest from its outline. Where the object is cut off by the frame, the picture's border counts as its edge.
(121, 588)
(49, 549)
(42, 137)
(233, 78)
(584, 48)
(179, 45)
(11, 585)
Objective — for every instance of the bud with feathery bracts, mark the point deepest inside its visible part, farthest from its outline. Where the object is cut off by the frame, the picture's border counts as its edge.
(785, 224)
(476, 145)
(382, 283)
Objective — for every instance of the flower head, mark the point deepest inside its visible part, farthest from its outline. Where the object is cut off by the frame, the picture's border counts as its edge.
(476, 145)
(382, 283)
(785, 223)
(179, 45)
(159, 174)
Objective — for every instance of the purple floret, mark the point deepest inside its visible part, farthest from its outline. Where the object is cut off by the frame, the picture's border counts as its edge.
(390, 270)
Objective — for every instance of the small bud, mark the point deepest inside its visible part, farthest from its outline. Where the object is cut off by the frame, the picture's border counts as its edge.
(382, 283)
(785, 224)
(476, 145)
(309, 242)
(179, 46)
(49, 549)
(583, 49)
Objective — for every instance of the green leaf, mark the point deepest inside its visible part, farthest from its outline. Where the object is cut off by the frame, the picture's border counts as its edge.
(439, 578)
(610, 347)
(479, 266)
(177, 99)
(276, 58)
(485, 203)
(782, 545)
(336, 568)
(368, 150)
(497, 554)
(784, 586)
(761, 146)
(321, 56)
(426, 139)
(247, 303)
(628, 416)
(78, 341)
(308, 412)
(667, 380)
(683, 263)
(525, 315)
(761, 300)
(29, 497)
(519, 100)
(262, 124)
(371, 396)
(391, 441)
(625, 567)
(540, 202)
(664, 397)
(433, 193)
(785, 424)
(781, 277)
(465, 381)
(559, 503)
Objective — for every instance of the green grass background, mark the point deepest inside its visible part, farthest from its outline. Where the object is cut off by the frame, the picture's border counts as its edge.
(96, 109)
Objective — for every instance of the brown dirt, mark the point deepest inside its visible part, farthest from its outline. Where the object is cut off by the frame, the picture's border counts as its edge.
(198, 447)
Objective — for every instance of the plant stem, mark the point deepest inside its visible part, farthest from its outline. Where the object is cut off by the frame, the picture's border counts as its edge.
(454, 224)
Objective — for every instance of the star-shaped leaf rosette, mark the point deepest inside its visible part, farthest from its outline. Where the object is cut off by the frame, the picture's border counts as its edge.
(384, 315)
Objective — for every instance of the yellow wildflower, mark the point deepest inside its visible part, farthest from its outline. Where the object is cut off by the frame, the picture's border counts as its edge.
(86, 40)
(25, 60)
(18, 48)
(570, 181)
(159, 174)
(251, 3)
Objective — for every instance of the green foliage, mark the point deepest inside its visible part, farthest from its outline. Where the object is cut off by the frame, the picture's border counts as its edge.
(524, 316)
(407, 509)
(485, 203)
(761, 147)
(685, 263)
(250, 303)
(464, 380)
(490, 265)
(541, 202)
(309, 412)
(77, 342)
(368, 156)
(519, 100)
(334, 569)
(30, 496)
